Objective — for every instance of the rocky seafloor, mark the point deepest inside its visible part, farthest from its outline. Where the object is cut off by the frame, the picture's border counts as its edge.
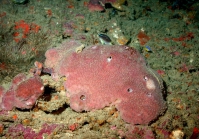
(28, 30)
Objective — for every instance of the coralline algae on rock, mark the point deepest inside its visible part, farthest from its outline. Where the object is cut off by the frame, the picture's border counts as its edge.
(101, 76)
(20, 131)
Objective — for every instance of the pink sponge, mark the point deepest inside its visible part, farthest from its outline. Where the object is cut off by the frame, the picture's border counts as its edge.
(8, 100)
(23, 93)
(98, 5)
(28, 91)
(103, 75)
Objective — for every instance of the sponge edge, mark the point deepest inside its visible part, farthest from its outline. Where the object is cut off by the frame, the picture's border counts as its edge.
(145, 106)
(103, 75)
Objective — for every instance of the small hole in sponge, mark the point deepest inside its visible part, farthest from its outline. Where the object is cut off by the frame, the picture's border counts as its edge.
(126, 47)
(146, 78)
(149, 94)
(109, 59)
(83, 97)
(129, 90)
